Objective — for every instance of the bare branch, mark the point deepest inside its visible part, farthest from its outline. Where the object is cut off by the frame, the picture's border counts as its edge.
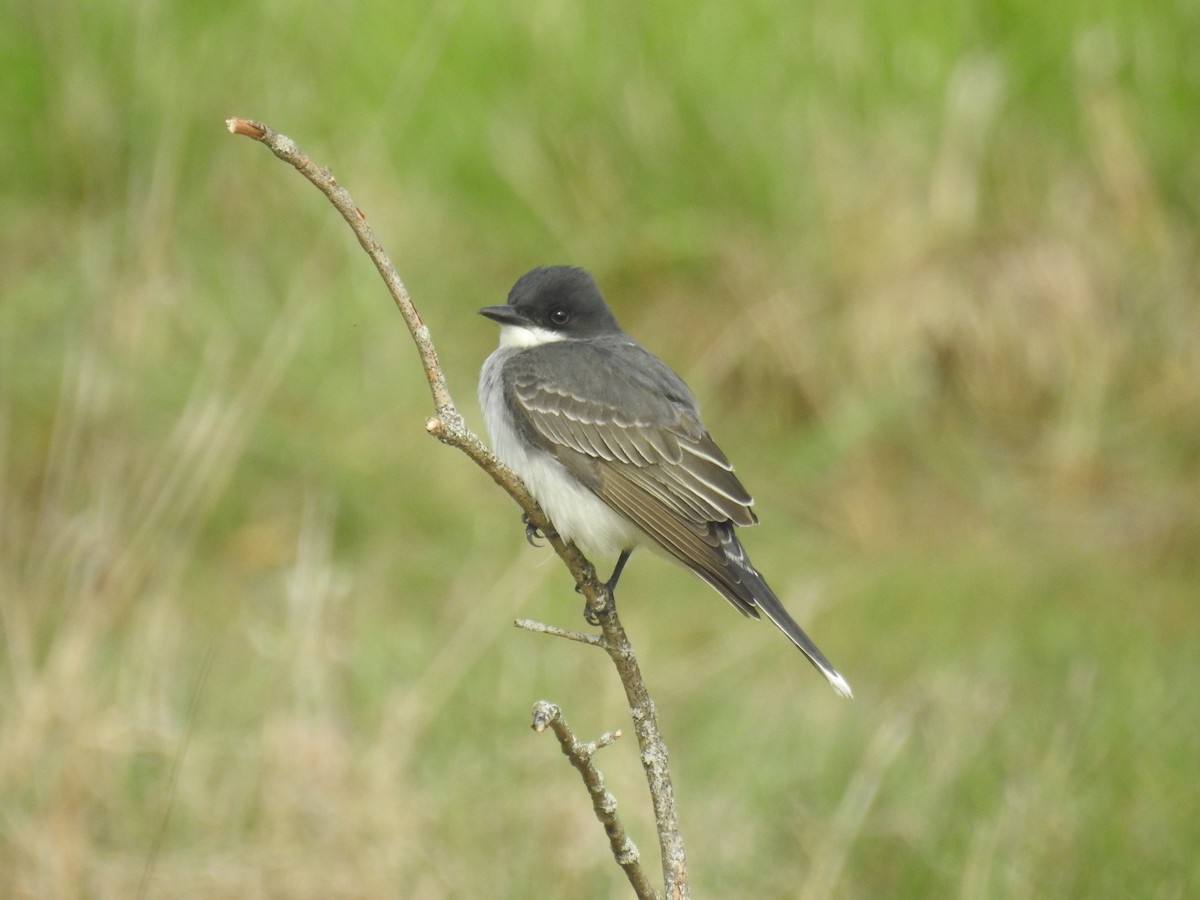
(653, 753)
(286, 149)
(548, 715)
(582, 637)
(448, 426)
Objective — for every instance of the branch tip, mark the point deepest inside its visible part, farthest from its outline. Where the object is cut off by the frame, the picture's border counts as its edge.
(246, 127)
(544, 713)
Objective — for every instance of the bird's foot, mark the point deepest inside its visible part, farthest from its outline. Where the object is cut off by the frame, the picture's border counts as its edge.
(532, 532)
(593, 614)
(607, 602)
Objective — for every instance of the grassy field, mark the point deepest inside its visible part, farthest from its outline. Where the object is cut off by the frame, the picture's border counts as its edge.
(933, 273)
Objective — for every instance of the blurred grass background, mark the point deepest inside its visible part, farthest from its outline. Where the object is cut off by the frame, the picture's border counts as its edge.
(931, 269)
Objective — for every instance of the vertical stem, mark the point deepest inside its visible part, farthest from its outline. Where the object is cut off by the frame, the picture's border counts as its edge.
(653, 753)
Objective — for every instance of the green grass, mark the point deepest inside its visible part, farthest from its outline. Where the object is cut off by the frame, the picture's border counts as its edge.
(256, 624)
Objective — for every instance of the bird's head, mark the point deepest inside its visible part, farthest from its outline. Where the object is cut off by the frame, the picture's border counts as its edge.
(552, 303)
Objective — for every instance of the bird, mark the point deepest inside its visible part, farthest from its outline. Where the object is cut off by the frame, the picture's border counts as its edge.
(610, 443)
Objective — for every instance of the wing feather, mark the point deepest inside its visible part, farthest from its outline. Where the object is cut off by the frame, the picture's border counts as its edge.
(637, 431)
(701, 552)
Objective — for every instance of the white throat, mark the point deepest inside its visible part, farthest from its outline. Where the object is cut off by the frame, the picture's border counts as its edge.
(521, 337)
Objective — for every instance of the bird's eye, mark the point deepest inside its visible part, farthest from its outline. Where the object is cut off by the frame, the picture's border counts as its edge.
(560, 316)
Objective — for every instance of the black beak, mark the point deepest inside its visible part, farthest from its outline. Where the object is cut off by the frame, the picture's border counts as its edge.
(505, 315)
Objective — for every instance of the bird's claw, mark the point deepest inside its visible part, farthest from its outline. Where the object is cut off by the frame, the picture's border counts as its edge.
(532, 532)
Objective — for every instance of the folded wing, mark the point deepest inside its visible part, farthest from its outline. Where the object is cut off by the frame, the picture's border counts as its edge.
(626, 425)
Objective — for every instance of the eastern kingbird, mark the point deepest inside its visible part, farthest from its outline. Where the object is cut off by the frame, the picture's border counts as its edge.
(610, 443)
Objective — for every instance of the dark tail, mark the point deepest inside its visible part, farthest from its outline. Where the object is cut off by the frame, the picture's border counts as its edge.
(747, 590)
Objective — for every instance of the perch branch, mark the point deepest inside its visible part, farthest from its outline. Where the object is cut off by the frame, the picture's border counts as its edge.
(448, 426)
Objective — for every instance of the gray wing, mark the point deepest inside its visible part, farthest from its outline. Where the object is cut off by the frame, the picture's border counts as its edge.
(626, 425)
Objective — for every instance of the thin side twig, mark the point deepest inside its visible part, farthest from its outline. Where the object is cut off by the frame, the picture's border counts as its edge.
(449, 427)
(582, 637)
(548, 715)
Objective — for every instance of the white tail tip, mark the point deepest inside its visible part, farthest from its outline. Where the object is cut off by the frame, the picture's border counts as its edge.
(839, 684)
